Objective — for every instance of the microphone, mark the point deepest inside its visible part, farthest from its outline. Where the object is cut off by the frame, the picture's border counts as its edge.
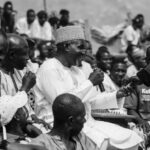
(101, 86)
(91, 60)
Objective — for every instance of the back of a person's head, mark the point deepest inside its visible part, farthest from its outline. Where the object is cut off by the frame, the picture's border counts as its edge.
(16, 42)
(64, 106)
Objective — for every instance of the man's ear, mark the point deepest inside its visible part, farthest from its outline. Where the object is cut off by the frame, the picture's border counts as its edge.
(11, 54)
(70, 120)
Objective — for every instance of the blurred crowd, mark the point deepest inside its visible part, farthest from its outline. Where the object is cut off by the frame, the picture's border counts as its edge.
(51, 82)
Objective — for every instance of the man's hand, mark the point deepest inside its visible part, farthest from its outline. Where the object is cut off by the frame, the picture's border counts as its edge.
(35, 119)
(124, 92)
(96, 77)
(28, 81)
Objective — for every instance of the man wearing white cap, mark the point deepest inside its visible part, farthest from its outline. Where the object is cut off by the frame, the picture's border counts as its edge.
(62, 75)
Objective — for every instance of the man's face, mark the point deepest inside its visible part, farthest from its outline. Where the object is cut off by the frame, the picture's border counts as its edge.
(31, 17)
(20, 58)
(78, 122)
(42, 20)
(65, 19)
(140, 61)
(74, 52)
(118, 73)
(105, 61)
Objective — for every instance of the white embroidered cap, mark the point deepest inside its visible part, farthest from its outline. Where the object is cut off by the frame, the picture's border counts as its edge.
(68, 33)
(9, 106)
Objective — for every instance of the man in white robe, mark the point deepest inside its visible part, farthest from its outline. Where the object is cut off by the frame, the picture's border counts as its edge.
(41, 28)
(62, 75)
(24, 25)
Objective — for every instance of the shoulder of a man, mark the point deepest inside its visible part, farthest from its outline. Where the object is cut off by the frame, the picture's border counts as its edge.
(87, 142)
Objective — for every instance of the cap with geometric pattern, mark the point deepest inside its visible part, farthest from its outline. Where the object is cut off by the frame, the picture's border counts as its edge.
(68, 33)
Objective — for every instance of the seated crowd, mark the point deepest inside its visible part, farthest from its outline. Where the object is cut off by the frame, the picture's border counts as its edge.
(51, 83)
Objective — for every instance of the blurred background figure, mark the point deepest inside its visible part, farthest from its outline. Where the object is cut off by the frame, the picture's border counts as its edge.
(104, 59)
(64, 18)
(24, 25)
(54, 22)
(132, 33)
(8, 17)
(41, 28)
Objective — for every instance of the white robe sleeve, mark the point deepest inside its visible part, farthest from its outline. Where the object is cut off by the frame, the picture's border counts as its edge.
(52, 85)
(10, 104)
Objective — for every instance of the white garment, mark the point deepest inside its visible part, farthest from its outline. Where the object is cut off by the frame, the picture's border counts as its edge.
(130, 34)
(9, 105)
(54, 79)
(41, 32)
(131, 71)
(22, 26)
(109, 85)
(7, 86)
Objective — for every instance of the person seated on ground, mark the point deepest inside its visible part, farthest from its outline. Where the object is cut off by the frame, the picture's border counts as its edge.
(8, 17)
(69, 118)
(138, 104)
(131, 35)
(24, 25)
(63, 74)
(41, 29)
(64, 18)
(137, 58)
(12, 73)
(104, 59)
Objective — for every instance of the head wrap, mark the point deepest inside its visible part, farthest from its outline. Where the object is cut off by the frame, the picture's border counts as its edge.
(69, 33)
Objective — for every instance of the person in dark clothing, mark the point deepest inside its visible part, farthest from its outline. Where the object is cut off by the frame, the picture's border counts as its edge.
(8, 17)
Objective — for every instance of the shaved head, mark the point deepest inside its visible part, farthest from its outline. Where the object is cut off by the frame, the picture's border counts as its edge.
(66, 105)
(18, 52)
(16, 42)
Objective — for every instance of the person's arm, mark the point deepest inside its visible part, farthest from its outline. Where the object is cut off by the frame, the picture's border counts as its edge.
(52, 84)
